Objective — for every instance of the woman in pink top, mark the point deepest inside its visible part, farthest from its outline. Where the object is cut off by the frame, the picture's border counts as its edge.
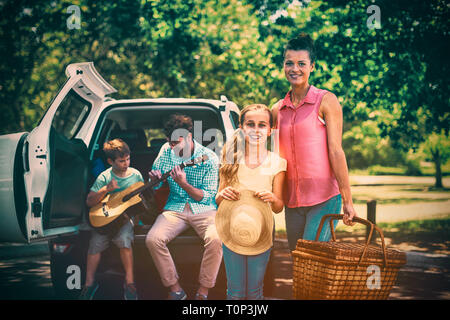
(309, 121)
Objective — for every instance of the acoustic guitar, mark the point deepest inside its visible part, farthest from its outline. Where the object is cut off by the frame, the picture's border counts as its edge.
(117, 208)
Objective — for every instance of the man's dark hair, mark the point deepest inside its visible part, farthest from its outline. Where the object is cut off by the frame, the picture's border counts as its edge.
(177, 121)
(302, 42)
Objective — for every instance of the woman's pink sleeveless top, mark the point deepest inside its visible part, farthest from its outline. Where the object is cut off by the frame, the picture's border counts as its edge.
(303, 143)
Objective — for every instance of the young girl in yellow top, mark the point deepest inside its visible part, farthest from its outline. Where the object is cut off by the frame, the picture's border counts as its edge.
(247, 164)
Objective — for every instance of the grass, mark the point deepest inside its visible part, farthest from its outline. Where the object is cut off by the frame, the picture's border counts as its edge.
(430, 235)
(426, 169)
(412, 226)
(378, 170)
(429, 225)
(392, 191)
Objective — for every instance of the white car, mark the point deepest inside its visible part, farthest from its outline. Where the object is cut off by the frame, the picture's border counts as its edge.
(46, 175)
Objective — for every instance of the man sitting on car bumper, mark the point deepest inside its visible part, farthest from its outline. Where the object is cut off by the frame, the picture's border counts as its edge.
(191, 202)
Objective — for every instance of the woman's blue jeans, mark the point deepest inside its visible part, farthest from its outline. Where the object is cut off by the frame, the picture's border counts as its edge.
(245, 274)
(303, 222)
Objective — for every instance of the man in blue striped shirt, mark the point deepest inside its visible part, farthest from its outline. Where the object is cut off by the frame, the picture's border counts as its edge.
(191, 202)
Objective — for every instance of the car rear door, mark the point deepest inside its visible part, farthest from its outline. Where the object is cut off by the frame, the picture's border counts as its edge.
(44, 173)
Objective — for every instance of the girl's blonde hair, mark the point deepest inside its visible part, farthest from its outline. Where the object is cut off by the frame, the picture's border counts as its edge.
(233, 152)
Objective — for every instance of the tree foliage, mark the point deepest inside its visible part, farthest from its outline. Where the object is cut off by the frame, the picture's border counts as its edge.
(391, 81)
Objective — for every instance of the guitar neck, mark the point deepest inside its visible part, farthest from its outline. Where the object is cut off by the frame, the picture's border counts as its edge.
(163, 178)
(150, 184)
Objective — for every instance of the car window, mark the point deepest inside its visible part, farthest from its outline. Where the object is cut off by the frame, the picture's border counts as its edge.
(155, 134)
(234, 119)
(71, 114)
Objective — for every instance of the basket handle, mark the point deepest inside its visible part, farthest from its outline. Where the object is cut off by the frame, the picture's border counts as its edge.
(358, 220)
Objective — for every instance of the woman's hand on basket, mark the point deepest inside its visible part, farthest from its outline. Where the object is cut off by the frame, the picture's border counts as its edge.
(349, 214)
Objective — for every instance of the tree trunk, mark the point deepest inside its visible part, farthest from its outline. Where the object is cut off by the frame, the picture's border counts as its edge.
(437, 164)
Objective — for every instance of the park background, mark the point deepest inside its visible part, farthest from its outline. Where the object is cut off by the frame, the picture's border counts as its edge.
(386, 61)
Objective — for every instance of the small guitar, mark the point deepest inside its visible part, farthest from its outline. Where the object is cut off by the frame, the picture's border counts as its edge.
(107, 216)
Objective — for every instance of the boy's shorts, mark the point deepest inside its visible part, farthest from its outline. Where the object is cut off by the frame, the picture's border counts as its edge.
(100, 242)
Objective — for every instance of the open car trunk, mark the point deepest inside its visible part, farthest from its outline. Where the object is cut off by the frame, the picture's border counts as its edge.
(141, 127)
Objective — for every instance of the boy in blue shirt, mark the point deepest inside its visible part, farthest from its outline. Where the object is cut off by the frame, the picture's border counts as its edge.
(117, 178)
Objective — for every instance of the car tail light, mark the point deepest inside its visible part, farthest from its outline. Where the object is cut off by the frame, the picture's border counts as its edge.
(60, 248)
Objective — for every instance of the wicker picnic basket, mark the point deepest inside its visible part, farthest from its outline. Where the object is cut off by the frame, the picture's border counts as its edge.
(344, 271)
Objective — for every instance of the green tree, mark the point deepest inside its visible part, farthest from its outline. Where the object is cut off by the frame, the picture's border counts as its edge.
(22, 25)
(395, 72)
(205, 49)
(392, 77)
(143, 48)
(437, 148)
(37, 46)
(401, 69)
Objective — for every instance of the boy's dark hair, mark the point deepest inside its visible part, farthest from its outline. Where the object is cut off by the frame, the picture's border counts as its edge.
(177, 121)
(302, 42)
(116, 148)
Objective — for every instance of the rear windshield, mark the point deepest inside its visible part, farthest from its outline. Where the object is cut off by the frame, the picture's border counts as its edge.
(141, 127)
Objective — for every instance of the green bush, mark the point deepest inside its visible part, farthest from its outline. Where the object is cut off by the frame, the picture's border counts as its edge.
(413, 168)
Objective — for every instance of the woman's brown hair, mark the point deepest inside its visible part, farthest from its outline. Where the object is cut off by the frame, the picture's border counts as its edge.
(302, 42)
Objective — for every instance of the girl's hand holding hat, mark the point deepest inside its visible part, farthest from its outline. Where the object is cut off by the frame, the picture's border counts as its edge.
(230, 193)
(266, 196)
(269, 197)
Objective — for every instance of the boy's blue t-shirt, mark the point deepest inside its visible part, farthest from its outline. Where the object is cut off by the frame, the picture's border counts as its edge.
(106, 176)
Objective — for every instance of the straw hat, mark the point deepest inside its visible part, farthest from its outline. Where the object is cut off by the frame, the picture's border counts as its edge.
(245, 226)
